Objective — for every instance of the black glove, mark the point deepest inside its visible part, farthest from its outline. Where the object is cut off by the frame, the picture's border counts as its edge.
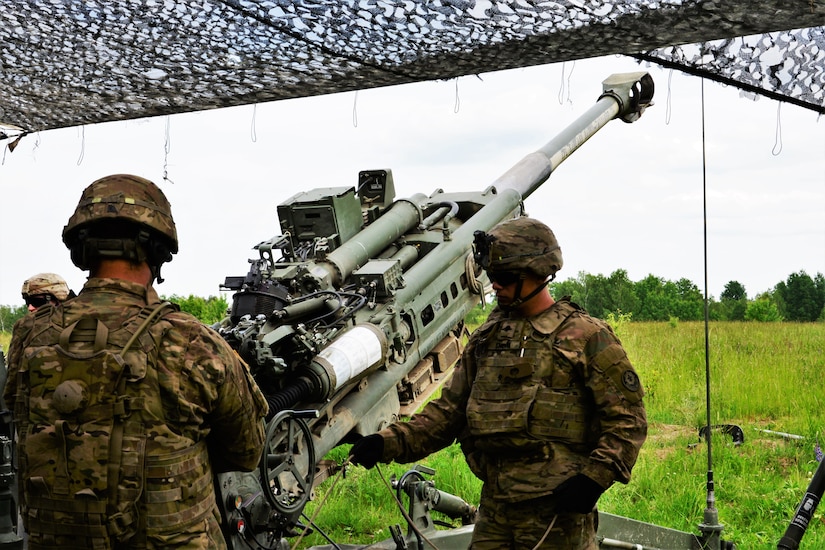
(367, 451)
(578, 494)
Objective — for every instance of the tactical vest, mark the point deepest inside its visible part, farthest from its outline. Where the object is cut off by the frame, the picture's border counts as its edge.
(82, 408)
(514, 403)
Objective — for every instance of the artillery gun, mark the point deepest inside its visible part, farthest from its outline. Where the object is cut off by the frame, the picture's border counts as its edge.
(355, 313)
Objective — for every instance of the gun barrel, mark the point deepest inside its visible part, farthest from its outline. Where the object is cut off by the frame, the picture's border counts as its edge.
(624, 95)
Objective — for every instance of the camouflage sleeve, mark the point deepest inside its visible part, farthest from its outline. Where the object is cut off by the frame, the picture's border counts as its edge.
(618, 394)
(18, 333)
(217, 390)
(238, 428)
(437, 425)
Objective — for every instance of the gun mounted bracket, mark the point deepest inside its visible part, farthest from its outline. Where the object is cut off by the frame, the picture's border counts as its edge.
(632, 91)
(424, 497)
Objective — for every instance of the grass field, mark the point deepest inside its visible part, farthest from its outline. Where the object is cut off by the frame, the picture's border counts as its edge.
(764, 376)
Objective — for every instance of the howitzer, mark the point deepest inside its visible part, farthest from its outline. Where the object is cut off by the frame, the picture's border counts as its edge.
(363, 313)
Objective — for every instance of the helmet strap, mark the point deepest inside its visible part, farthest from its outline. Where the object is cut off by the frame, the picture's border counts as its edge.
(519, 299)
(156, 274)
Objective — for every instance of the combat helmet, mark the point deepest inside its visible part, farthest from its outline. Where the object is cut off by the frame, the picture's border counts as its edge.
(122, 216)
(45, 284)
(519, 244)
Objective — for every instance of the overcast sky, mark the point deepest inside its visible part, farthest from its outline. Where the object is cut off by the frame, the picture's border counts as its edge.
(630, 198)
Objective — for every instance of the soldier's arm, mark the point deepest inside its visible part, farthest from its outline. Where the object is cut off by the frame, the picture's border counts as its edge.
(238, 428)
(218, 392)
(435, 427)
(20, 329)
(617, 392)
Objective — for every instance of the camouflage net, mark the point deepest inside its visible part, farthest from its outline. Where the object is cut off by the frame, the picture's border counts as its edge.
(74, 62)
(787, 66)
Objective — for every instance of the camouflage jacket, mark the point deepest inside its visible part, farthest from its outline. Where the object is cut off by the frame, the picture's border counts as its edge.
(207, 396)
(570, 354)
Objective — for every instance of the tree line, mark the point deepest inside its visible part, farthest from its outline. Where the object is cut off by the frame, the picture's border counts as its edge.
(208, 310)
(799, 298)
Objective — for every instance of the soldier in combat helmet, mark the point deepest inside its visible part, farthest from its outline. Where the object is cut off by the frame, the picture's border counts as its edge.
(545, 405)
(124, 406)
(44, 288)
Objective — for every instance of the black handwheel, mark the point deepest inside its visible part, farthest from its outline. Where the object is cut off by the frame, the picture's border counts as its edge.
(288, 465)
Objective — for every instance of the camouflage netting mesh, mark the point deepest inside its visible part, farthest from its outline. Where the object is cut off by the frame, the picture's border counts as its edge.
(786, 65)
(73, 62)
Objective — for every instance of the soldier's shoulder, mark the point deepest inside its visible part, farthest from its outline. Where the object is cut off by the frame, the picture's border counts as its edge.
(178, 317)
(186, 320)
(579, 323)
(21, 329)
(494, 317)
(195, 329)
(27, 321)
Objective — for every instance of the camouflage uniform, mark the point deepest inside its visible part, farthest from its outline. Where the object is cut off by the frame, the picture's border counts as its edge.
(547, 409)
(569, 402)
(198, 395)
(125, 407)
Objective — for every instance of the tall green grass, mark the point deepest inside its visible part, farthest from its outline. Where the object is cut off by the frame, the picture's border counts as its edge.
(763, 376)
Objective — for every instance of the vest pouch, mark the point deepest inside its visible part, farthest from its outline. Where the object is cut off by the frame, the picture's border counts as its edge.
(73, 408)
(559, 415)
(493, 409)
(178, 489)
(70, 410)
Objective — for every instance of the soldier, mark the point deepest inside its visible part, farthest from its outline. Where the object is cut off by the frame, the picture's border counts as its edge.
(544, 403)
(125, 407)
(45, 288)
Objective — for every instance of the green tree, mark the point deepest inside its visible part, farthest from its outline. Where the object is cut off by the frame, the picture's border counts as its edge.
(715, 311)
(819, 283)
(476, 316)
(653, 302)
(622, 296)
(209, 310)
(801, 297)
(762, 309)
(734, 290)
(597, 299)
(687, 301)
(10, 314)
(734, 301)
(661, 300)
(575, 288)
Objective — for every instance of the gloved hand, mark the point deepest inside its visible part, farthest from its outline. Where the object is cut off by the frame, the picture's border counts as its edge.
(578, 494)
(367, 451)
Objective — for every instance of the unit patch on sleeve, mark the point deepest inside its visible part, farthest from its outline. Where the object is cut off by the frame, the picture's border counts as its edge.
(630, 381)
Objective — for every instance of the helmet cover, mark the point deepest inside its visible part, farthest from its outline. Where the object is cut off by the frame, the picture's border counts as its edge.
(46, 283)
(519, 244)
(124, 197)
